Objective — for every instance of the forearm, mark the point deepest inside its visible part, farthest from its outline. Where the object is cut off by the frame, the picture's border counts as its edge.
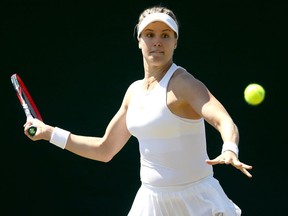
(229, 131)
(230, 136)
(85, 146)
(96, 148)
(88, 147)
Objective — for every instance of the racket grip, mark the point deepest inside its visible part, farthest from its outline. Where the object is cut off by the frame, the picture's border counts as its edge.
(32, 130)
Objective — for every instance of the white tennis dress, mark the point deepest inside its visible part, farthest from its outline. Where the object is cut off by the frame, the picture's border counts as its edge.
(176, 180)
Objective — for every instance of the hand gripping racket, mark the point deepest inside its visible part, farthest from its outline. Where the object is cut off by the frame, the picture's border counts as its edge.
(26, 101)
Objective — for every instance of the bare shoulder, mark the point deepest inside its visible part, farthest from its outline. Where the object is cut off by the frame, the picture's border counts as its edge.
(186, 95)
(184, 82)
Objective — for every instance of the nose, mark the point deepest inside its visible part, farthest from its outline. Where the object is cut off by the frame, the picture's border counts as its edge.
(157, 41)
(157, 44)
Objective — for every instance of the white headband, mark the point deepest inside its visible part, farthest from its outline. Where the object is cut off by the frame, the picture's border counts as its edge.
(168, 20)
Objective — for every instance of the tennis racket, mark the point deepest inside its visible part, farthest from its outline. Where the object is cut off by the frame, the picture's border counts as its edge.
(26, 101)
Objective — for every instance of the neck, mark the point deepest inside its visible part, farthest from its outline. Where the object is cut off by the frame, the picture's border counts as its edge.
(151, 69)
(153, 75)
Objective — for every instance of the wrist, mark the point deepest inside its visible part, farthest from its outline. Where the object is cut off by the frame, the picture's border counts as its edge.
(59, 137)
(230, 146)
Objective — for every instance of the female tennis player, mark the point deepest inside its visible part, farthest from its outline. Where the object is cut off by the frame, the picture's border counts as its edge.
(166, 111)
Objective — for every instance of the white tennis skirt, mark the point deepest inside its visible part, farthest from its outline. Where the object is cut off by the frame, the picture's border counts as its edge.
(203, 198)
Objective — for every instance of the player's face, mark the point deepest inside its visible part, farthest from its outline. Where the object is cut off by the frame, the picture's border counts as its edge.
(157, 42)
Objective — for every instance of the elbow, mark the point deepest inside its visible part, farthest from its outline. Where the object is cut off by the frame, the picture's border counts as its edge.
(106, 152)
(102, 152)
(107, 158)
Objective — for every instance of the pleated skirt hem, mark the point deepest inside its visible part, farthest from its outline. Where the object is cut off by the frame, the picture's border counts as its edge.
(203, 198)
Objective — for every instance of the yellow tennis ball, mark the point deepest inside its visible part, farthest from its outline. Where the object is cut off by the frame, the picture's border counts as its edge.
(254, 94)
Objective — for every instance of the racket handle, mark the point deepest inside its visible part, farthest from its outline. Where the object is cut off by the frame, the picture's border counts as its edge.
(32, 130)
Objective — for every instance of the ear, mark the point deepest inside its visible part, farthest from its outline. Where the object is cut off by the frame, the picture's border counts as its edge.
(175, 45)
(139, 45)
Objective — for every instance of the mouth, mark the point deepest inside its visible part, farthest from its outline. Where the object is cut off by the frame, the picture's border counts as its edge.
(156, 52)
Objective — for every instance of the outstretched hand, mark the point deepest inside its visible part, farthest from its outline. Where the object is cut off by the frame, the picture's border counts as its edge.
(228, 157)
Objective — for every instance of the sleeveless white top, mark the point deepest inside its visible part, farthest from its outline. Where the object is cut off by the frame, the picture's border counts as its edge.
(172, 149)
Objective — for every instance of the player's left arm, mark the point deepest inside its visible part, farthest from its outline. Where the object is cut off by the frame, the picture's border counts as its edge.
(207, 106)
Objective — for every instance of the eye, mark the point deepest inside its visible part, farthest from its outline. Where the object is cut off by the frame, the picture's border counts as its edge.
(149, 35)
(165, 35)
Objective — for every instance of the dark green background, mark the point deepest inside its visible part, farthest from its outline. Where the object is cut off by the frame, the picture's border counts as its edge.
(78, 57)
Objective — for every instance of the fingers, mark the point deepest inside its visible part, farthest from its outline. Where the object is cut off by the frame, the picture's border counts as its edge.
(225, 159)
(246, 172)
(212, 162)
(26, 131)
(242, 167)
(27, 124)
(219, 160)
(27, 128)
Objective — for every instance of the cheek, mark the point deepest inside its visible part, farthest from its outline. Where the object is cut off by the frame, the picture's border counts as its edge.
(143, 46)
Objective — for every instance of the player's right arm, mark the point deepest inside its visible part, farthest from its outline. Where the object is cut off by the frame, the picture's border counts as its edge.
(97, 148)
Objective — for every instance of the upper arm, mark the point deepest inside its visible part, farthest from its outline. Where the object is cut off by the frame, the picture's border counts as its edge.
(116, 134)
(200, 101)
(199, 98)
(104, 148)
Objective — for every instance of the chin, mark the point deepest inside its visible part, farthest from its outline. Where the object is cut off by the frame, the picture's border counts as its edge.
(156, 60)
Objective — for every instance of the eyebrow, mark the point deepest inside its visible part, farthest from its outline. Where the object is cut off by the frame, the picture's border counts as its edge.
(164, 30)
